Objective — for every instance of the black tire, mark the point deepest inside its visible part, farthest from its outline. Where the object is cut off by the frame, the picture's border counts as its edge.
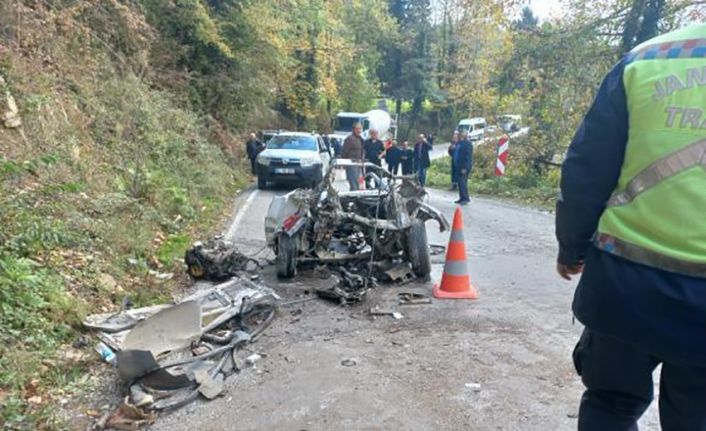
(418, 249)
(261, 183)
(287, 250)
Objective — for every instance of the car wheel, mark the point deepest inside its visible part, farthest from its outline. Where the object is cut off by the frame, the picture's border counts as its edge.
(418, 249)
(287, 251)
(261, 183)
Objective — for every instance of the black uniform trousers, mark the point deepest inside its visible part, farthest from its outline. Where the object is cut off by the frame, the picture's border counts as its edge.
(618, 378)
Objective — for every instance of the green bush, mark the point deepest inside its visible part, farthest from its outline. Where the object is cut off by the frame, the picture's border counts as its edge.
(36, 316)
(519, 184)
(36, 311)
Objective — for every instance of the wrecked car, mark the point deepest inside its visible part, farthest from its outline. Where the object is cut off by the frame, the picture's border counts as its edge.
(378, 228)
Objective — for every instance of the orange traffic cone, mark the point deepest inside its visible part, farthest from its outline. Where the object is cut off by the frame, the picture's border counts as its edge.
(455, 282)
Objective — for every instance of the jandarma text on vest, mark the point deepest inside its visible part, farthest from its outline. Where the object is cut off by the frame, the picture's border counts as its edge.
(694, 77)
(688, 117)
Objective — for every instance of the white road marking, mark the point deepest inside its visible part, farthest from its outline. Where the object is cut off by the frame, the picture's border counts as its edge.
(241, 213)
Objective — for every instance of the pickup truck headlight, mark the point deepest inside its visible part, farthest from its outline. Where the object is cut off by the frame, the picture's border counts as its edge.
(263, 160)
(309, 162)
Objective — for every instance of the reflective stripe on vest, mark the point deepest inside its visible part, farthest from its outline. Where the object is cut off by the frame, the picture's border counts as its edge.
(647, 257)
(668, 166)
(688, 48)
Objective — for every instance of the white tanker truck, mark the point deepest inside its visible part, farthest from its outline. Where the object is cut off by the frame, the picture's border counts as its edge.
(376, 119)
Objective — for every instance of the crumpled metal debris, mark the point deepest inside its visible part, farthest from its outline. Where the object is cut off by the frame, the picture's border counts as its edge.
(167, 330)
(348, 288)
(111, 323)
(411, 298)
(179, 352)
(377, 311)
(217, 260)
(400, 273)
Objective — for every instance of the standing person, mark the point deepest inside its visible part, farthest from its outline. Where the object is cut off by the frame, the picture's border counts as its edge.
(422, 161)
(630, 219)
(353, 149)
(335, 146)
(393, 158)
(389, 143)
(407, 159)
(452, 151)
(373, 148)
(253, 146)
(463, 161)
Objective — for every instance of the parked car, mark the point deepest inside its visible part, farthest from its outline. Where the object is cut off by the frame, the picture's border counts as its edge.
(383, 226)
(293, 158)
(474, 126)
(510, 123)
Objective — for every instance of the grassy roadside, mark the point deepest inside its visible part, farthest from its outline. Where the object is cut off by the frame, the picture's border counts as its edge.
(67, 251)
(71, 248)
(519, 185)
(102, 189)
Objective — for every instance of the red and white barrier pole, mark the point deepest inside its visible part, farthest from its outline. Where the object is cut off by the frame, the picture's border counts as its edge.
(503, 150)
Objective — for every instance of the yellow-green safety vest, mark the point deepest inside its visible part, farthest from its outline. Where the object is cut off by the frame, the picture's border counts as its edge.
(657, 213)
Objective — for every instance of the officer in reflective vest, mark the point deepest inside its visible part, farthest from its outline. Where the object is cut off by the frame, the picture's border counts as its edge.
(631, 217)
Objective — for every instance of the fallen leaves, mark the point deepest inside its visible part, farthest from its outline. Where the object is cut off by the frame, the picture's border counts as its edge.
(130, 418)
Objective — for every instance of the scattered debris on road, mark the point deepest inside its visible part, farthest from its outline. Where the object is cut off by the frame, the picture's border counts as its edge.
(411, 298)
(170, 354)
(375, 311)
(437, 250)
(351, 362)
(218, 260)
(475, 387)
(400, 274)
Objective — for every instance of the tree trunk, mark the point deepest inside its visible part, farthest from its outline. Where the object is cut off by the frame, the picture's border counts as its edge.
(632, 25)
(650, 20)
(416, 109)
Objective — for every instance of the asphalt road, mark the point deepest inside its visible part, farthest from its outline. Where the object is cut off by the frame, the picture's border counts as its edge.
(499, 363)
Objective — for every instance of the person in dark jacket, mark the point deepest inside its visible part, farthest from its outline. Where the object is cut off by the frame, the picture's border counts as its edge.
(452, 150)
(642, 301)
(422, 160)
(253, 146)
(353, 149)
(335, 146)
(393, 158)
(463, 162)
(407, 159)
(373, 148)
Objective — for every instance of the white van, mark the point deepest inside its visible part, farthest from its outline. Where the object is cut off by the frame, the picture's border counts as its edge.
(474, 126)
